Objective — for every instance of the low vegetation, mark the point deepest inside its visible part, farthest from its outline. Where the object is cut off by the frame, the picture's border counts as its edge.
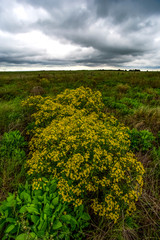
(80, 155)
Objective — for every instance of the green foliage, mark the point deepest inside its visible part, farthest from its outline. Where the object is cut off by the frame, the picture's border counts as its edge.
(41, 214)
(132, 103)
(141, 140)
(11, 114)
(144, 87)
(12, 156)
(88, 152)
(11, 146)
(120, 106)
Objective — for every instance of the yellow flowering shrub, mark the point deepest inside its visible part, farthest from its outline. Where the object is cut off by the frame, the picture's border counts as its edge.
(87, 151)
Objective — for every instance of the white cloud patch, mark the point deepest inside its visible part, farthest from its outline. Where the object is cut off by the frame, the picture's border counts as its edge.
(27, 13)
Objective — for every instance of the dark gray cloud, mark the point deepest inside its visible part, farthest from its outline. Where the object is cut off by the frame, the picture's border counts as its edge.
(80, 33)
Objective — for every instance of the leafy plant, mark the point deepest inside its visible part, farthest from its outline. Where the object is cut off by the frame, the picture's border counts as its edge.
(120, 106)
(132, 103)
(11, 146)
(141, 140)
(41, 214)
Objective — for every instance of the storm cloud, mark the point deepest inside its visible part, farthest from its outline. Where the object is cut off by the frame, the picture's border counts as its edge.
(78, 34)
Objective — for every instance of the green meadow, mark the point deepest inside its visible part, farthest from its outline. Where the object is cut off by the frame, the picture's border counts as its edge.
(133, 98)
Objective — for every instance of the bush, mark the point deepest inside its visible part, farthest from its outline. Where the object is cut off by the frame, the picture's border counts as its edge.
(41, 214)
(86, 151)
(141, 140)
(44, 82)
(123, 88)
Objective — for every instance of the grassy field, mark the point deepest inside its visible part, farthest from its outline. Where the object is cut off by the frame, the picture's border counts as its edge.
(132, 97)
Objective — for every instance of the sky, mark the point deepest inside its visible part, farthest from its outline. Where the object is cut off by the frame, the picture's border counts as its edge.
(80, 34)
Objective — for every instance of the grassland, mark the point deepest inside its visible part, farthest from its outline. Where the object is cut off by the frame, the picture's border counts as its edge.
(132, 97)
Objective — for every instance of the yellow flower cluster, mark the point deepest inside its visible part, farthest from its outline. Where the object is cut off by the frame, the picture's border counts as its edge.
(87, 151)
(36, 183)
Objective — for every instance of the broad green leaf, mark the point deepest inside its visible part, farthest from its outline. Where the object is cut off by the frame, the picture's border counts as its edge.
(54, 234)
(11, 203)
(10, 228)
(56, 225)
(6, 213)
(47, 209)
(45, 216)
(44, 179)
(33, 235)
(25, 196)
(44, 226)
(53, 187)
(59, 207)
(26, 185)
(53, 217)
(85, 216)
(32, 210)
(41, 223)
(81, 208)
(40, 198)
(34, 218)
(23, 209)
(62, 210)
(38, 192)
(11, 220)
(55, 201)
(73, 223)
(61, 236)
(22, 236)
(66, 218)
(35, 201)
(40, 234)
(47, 189)
(2, 225)
(10, 198)
(19, 201)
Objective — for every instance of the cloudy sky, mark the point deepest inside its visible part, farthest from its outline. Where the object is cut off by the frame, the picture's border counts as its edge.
(80, 34)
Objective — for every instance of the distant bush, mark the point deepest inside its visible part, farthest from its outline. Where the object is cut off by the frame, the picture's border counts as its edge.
(44, 82)
(88, 152)
(123, 88)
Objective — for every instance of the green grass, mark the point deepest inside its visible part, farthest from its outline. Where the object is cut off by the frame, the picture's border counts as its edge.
(133, 98)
